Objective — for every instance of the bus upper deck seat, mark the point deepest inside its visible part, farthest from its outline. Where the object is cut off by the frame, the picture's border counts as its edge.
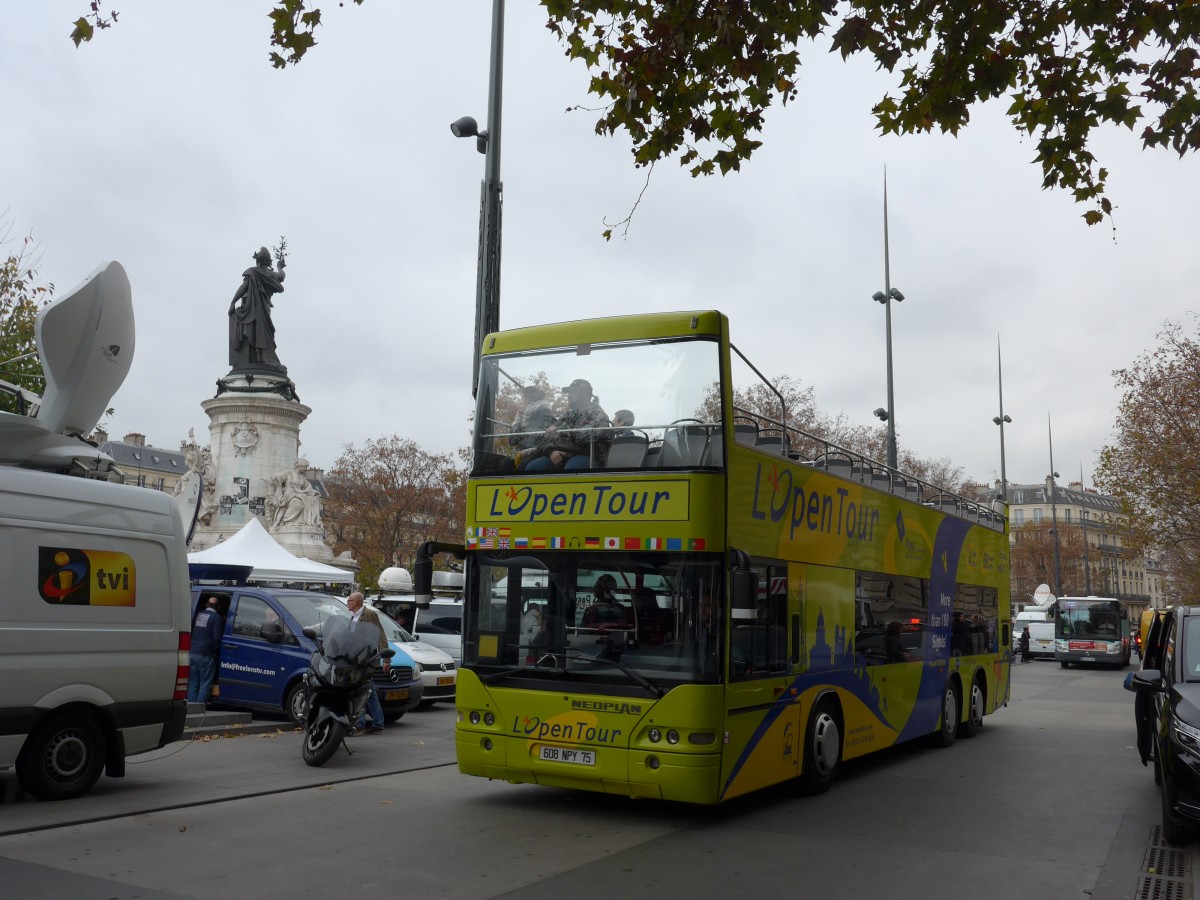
(684, 445)
(627, 451)
(772, 441)
(745, 433)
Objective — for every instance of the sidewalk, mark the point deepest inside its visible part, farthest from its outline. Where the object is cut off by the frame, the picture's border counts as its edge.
(213, 769)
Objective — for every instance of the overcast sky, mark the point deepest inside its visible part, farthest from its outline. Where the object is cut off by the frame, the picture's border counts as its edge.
(171, 145)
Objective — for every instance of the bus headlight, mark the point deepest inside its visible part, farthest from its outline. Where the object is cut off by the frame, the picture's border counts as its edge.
(672, 736)
(474, 717)
(489, 719)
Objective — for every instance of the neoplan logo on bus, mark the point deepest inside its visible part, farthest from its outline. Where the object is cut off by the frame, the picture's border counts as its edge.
(69, 576)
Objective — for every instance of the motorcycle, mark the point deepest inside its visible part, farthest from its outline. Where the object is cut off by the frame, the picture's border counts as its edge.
(337, 684)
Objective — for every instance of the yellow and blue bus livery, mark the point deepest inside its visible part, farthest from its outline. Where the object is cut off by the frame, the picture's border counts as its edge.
(707, 602)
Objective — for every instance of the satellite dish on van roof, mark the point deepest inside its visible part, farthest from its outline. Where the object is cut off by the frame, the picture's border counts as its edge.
(1042, 595)
(85, 341)
(396, 579)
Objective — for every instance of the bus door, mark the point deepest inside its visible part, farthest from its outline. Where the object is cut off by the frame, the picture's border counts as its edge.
(762, 706)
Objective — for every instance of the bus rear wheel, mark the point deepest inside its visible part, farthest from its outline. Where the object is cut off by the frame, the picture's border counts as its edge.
(948, 727)
(975, 709)
(822, 750)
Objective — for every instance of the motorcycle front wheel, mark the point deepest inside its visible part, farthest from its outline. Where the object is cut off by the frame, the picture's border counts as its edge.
(321, 741)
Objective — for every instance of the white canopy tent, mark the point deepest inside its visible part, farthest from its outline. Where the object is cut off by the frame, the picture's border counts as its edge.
(253, 546)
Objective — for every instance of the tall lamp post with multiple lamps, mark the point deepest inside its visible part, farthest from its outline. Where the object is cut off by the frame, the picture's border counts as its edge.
(1001, 420)
(886, 296)
(1054, 512)
(1083, 519)
(487, 284)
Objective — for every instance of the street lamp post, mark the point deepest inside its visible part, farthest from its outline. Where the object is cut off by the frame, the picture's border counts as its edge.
(886, 296)
(1001, 420)
(1083, 514)
(487, 281)
(1054, 513)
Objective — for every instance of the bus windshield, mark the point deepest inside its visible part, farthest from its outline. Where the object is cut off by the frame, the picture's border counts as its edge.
(607, 617)
(1099, 623)
(614, 405)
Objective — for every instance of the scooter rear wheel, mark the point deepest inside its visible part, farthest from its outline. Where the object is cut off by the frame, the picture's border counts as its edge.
(321, 741)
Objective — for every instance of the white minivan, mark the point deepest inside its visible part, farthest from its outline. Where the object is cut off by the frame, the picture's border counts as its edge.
(439, 623)
(94, 627)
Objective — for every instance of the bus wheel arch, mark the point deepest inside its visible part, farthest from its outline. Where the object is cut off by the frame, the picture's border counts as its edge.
(822, 745)
(976, 706)
(950, 714)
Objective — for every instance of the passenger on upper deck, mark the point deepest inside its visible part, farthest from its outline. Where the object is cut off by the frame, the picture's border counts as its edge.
(534, 419)
(580, 437)
(622, 419)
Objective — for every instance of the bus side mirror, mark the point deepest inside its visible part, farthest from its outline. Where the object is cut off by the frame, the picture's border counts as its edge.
(745, 593)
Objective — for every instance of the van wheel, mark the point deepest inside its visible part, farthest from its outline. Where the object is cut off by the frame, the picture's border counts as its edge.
(948, 727)
(390, 717)
(296, 704)
(975, 708)
(1064, 664)
(63, 758)
(822, 750)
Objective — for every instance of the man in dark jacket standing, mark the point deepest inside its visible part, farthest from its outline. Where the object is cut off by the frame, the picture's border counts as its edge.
(206, 644)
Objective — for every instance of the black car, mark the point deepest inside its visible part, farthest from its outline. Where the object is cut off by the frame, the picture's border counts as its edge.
(1168, 710)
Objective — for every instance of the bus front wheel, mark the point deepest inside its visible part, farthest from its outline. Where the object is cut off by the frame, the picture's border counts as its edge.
(822, 750)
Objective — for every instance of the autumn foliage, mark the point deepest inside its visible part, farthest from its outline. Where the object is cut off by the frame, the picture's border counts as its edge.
(388, 496)
(1153, 465)
(693, 80)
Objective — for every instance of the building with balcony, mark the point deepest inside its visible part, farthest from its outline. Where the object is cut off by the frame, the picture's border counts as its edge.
(1092, 541)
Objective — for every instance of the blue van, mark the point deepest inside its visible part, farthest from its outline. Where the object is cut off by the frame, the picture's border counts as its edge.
(264, 653)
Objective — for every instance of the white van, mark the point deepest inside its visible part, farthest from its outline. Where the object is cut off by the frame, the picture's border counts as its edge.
(439, 623)
(94, 625)
(1029, 616)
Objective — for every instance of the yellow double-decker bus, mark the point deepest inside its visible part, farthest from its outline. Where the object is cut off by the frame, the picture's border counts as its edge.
(702, 602)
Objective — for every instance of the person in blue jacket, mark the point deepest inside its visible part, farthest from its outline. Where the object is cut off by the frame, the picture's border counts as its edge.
(206, 642)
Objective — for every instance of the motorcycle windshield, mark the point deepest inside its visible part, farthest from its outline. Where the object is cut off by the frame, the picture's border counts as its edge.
(352, 642)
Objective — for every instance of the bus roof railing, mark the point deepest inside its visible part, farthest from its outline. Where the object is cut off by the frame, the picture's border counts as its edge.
(811, 450)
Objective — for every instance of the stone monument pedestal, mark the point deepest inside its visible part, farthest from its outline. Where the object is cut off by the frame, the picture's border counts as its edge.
(254, 436)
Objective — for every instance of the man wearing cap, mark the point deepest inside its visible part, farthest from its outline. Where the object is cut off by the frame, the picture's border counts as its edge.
(580, 437)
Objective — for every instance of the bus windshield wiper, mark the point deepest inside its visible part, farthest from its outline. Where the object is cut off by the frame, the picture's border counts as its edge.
(491, 677)
(633, 675)
(539, 668)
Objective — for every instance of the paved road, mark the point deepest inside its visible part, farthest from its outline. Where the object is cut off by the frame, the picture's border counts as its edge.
(1049, 801)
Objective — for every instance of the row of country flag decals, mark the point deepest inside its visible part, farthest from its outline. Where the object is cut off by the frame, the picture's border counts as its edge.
(482, 538)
